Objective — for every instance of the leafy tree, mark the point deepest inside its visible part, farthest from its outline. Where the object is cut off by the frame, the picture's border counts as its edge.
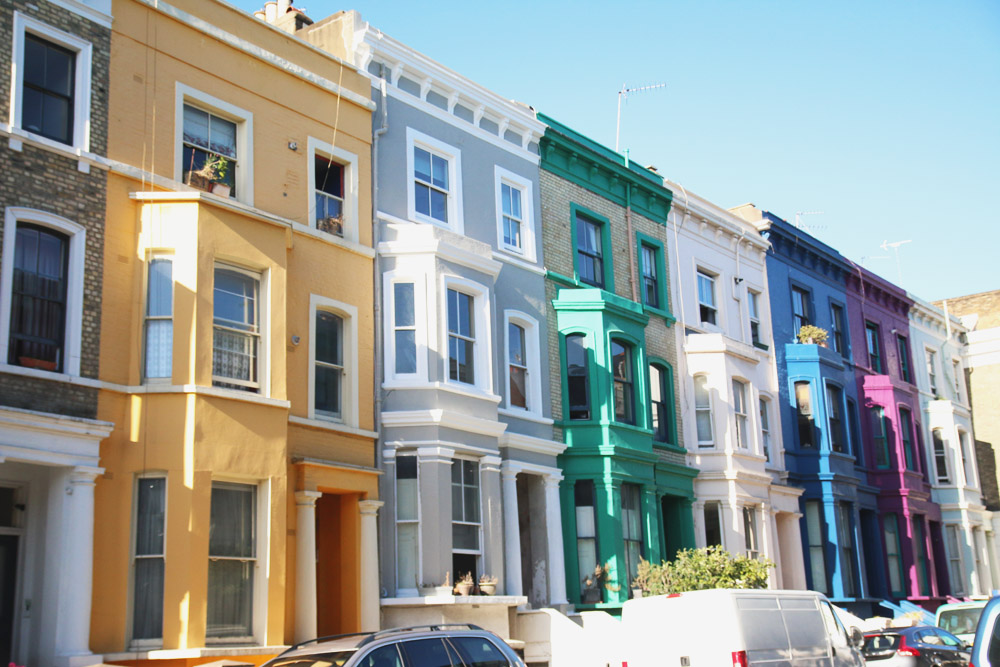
(698, 569)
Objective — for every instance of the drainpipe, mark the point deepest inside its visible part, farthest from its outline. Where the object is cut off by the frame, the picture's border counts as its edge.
(630, 242)
(377, 270)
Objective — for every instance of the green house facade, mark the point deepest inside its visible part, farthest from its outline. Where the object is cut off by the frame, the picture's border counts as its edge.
(627, 491)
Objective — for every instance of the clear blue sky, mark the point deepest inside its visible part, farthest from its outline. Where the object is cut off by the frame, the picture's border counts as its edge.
(883, 115)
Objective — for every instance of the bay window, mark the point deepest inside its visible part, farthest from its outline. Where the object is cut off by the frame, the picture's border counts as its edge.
(236, 339)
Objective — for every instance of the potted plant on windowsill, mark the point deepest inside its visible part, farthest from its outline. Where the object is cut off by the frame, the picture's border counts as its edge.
(488, 584)
(811, 334)
(212, 176)
(331, 225)
(436, 590)
(463, 586)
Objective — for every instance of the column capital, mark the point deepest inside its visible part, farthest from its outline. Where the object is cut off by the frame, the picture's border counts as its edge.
(369, 507)
(507, 473)
(491, 463)
(553, 481)
(307, 497)
(84, 475)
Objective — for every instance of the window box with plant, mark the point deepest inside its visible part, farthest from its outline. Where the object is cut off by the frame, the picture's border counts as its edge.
(214, 176)
(810, 334)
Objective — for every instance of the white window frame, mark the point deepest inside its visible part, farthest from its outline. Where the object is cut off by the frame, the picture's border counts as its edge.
(766, 431)
(953, 548)
(416, 139)
(263, 316)
(244, 136)
(966, 456)
(146, 318)
(479, 525)
(930, 367)
(704, 444)
(420, 320)
(261, 565)
(713, 277)
(482, 348)
(151, 642)
(751, 532)
(755, 301)
(533, 385)
(958, 377)
(504, 177)
(946, 456)
(349, 376)
(81, 84)
(418, 567)
(73, 335)
(742, 439)
(349, 162)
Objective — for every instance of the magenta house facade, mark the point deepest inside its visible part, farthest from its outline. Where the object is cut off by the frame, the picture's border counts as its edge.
(914, 559)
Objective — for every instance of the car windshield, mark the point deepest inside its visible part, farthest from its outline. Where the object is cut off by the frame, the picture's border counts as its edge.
(960, 621)
(876, 643)
(333, 659)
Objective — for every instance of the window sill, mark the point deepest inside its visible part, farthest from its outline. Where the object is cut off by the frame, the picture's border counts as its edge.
(525, 415)
(184, 653)
(666, 446)
(327, 425)
(85, 159)
(518, 260)
(665, 314)
(48, 375)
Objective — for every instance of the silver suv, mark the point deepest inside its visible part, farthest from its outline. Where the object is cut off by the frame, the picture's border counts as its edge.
(450, 645)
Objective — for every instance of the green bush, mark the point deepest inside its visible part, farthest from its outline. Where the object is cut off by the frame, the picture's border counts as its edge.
(698, 569)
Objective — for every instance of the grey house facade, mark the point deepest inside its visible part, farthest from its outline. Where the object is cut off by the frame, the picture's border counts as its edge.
(466, 429)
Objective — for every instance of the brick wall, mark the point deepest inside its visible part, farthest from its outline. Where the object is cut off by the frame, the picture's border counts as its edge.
(557, 196)
(52, 182)
(987, 462)
(985, 304)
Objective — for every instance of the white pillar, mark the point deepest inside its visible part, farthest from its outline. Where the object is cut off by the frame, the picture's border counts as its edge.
(698, 511)
(772, 548)
(369, 565)
(512, 532)
(305, 565)
(553, 528)
(72, 632)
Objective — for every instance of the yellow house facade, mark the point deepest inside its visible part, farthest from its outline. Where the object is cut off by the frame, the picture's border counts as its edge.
(236, 511)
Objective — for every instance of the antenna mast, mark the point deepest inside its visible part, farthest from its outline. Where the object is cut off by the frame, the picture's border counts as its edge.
(624, 92)
(895, 246)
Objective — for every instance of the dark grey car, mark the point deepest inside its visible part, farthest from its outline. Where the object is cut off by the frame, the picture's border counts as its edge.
(422, 646)
(919, 646)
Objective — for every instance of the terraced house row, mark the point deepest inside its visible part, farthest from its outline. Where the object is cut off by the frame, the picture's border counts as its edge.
(313, 331)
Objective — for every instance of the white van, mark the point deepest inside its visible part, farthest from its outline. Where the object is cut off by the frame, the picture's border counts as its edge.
(739, 628)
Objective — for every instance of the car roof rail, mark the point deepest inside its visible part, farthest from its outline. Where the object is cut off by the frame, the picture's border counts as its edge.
(317, 640)
(410, 628)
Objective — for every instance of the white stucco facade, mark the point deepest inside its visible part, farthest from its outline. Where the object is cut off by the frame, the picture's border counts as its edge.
(728, 384)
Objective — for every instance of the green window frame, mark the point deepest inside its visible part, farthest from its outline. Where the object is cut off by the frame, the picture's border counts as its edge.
(920, 549)
(893, 554)
(653, 279)
(605, 280)
(906, 435)
(663, 415)
(872, 335)
(880, 437)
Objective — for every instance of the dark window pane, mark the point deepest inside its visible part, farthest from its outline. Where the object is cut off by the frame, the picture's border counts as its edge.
(47, 108)
(426, 653)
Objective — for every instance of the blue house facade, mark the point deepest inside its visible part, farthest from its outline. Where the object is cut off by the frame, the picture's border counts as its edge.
(819, 415)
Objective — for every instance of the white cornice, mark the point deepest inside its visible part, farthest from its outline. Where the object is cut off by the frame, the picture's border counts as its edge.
(264, 55)
(51, 439)
(529, 443)
(421, 239)
(696, 209)
(417, 66)
(444, 419)
(98, 11)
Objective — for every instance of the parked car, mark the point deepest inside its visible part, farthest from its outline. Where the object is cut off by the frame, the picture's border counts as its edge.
(737, 627)
(986, 649)
(960, 618)
(420, 646)
(917, 646)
